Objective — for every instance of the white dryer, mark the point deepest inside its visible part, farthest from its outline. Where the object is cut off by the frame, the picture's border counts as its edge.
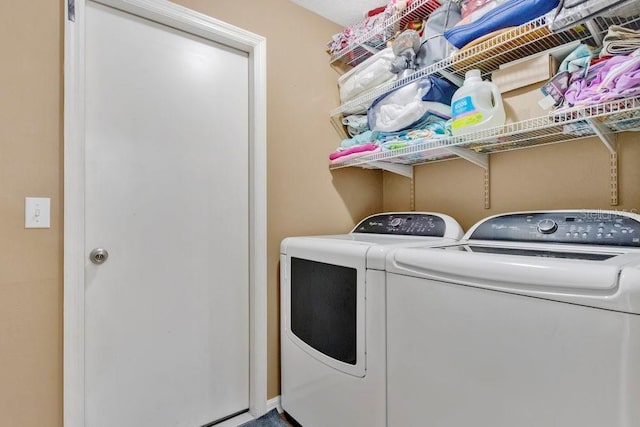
(333, 317)
(533, 319)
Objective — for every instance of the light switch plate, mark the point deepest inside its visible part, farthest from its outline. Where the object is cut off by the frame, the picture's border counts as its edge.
(37, 212)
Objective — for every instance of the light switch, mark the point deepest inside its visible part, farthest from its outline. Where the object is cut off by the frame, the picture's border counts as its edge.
(37, 212)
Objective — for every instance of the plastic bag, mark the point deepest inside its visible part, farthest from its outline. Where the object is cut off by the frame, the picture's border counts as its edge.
(367, 75)
(402, 108)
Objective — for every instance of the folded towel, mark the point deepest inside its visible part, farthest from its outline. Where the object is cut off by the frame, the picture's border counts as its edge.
(620, 41)
(353, 150)
(343, 159)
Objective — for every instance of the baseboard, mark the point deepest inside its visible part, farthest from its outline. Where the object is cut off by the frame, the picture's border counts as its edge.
(274, 403)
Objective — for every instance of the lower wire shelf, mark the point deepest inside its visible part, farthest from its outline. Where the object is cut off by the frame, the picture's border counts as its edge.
(602, 120)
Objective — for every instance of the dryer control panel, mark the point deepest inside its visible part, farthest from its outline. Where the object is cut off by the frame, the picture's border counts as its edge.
(403, 224)
(575, 227)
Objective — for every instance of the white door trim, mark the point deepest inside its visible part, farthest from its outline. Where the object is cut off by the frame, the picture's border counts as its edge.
(178, 17)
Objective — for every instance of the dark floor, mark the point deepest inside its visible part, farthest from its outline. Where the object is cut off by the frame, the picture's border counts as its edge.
(286, 421)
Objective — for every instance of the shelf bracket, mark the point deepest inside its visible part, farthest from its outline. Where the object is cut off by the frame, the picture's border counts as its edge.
(404, 170)
(479, 159)
(609, 139)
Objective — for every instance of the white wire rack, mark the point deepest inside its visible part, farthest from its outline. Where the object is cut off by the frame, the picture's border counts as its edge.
(511, 45)
(571, 124)
(603, 120)
(368, 43)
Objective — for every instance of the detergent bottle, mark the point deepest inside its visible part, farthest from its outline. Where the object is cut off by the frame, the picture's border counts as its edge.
(476, 106)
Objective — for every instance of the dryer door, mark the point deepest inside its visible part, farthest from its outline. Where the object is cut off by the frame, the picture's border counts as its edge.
(323, 297)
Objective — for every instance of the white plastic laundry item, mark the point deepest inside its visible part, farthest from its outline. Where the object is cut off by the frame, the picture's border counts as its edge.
(403, 107)
(367, 75)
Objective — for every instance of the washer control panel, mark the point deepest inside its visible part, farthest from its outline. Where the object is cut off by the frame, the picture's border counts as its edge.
(582, 227)
(403, 224)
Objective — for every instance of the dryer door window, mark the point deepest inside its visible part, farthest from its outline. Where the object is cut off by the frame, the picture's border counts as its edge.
(324, 308)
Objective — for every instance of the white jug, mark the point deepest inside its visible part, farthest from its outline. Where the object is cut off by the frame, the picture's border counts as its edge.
(476, 106)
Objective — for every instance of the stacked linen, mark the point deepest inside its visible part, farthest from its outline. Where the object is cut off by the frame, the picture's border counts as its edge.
(614, 78)
(408, 115)
(405, 107)
(585, 78)
(341, 156)
(620, 41)
(432, 132)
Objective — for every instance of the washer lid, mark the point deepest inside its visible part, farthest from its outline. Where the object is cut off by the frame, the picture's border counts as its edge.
(558, 272)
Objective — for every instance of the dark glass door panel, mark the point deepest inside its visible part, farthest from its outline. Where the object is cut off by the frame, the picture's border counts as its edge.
(323, 307)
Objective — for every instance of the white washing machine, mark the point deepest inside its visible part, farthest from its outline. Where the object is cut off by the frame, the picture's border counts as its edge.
(333, 317)
(531, 320)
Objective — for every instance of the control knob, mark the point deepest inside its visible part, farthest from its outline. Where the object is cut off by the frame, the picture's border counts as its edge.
(547, 226)
(395, 222)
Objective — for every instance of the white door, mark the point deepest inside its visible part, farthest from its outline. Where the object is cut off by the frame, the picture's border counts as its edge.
(167, 195)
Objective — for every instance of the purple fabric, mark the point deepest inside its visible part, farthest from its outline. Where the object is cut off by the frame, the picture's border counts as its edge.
(628, 80)
(618, 77)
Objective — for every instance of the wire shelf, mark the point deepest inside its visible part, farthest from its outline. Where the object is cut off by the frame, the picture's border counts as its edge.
(370, 42)
(562, 126)
(510, 45)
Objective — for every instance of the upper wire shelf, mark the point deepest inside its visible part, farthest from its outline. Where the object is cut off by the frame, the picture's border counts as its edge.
(567, 125)
(371, 41)
(511, 45)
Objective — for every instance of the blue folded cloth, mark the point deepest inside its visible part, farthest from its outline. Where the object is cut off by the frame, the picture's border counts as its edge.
(509, 14)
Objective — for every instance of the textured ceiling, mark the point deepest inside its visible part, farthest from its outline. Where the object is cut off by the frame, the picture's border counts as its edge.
(342, 12)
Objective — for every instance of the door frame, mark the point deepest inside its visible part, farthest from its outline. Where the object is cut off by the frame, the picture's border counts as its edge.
(181, 18)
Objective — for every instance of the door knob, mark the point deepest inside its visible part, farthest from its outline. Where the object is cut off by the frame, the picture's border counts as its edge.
(98, 256)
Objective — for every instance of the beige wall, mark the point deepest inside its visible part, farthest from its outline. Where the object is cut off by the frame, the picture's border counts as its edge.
(30, 260)
(304, 197)
(570, 175)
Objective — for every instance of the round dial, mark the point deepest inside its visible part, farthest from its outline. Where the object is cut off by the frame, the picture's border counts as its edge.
(395, 222)
(547, 226)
